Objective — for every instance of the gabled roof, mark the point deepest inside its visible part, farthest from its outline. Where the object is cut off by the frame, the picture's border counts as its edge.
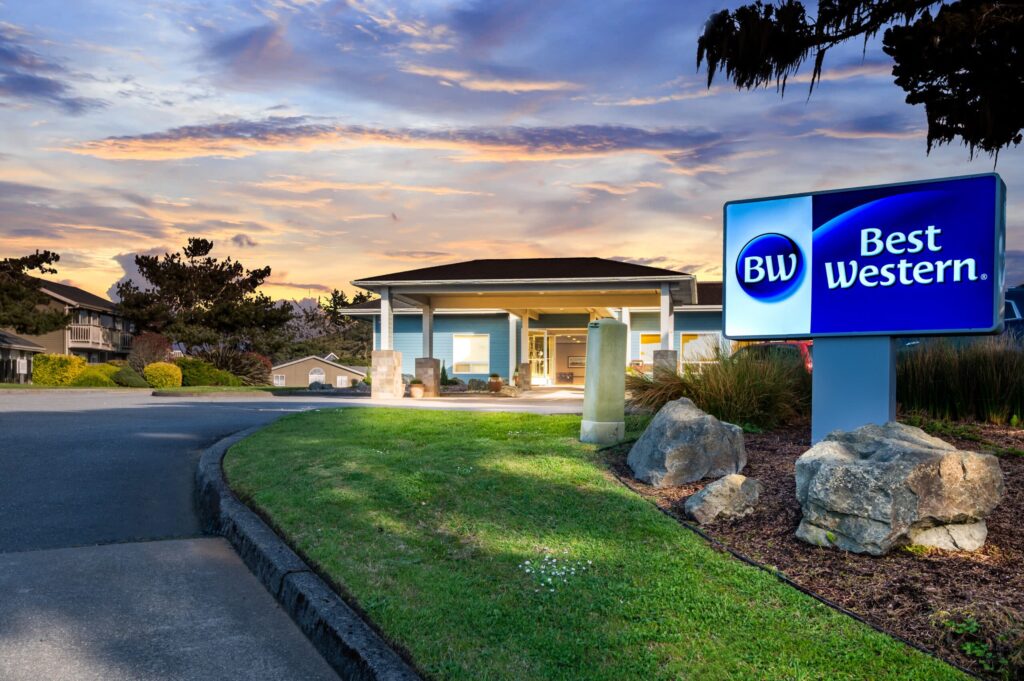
(353, 370)
(75, 295)
(709, 293)
(9, 340)
(527, 269)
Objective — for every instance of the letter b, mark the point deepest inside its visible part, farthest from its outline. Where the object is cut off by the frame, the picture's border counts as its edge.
(753, 269)
(871, 241)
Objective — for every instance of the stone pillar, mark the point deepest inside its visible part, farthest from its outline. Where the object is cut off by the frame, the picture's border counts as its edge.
(428, 370)
(666, 361)
(524, 376)
(386, 375)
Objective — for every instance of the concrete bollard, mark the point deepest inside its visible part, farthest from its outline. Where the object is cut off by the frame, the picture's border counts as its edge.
(604, 392)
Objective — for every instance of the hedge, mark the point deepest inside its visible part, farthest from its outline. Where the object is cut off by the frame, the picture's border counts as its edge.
(129, 378)
(163, 375)
(56, 369)
(195, 371)
(96, 376)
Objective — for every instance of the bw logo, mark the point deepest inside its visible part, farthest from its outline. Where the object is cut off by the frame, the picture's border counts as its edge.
(770, 266)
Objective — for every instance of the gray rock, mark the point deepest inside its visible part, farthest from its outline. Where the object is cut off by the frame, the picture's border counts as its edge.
(733, 496)
(880, 487)
(683, 444)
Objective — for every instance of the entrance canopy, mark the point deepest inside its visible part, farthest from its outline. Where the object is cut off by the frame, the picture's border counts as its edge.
(527, 287)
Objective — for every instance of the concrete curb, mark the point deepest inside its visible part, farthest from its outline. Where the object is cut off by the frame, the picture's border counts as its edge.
(345, 640)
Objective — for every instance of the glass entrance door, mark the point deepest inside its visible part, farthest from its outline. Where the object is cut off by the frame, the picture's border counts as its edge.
(540, 357)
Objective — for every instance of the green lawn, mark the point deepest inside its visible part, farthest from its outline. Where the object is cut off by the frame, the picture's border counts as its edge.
(427, 519)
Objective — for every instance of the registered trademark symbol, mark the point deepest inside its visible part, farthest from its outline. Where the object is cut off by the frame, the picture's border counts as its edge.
(984, 277)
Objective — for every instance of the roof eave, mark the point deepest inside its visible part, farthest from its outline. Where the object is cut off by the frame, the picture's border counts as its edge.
(653, 279)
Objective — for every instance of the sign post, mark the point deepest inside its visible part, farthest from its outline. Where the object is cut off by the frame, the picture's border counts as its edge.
(855, 268)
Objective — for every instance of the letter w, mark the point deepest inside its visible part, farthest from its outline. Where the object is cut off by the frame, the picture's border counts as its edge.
(781, 274)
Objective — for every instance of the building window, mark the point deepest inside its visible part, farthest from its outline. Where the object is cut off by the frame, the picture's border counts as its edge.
(279, 380)
(701, 347)
(317, 375)
(471, 354)
(649, 342)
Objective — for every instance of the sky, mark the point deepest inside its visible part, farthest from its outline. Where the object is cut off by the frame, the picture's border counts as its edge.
(335, 140)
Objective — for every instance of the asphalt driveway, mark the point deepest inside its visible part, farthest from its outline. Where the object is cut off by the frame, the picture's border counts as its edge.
(104, 573)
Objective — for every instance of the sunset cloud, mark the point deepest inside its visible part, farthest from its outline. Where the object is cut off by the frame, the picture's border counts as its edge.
(482, 83)
(304, 185)
(240, 138)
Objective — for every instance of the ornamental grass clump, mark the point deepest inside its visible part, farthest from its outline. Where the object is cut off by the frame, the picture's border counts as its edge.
(750, 391)
(972, 380)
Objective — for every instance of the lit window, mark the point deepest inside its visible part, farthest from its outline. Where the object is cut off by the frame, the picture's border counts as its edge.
(279, 380)
(649, 342)
(471, 354)
(317, 375)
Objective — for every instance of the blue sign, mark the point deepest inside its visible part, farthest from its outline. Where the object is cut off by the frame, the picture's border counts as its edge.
(895, 260)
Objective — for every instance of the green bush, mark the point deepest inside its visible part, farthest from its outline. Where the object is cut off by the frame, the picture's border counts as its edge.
(163, 375)
(971, 380)
(56, 369)
(96, 376)
(117, 362)
(129, 378)
(745, 390)
(195, 371)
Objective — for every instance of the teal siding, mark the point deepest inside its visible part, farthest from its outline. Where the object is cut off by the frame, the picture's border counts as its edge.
(696, 322)
(409, 340)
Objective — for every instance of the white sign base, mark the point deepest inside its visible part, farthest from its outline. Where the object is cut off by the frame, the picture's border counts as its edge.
(853, 383)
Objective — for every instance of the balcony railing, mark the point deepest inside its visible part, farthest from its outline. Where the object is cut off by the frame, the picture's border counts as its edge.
(99, 337)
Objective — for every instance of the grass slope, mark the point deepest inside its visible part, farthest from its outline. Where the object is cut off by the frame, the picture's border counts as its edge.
(426, 519)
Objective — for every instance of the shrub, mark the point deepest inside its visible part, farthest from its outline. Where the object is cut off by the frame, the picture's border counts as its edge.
(117, 362)
(163, 375)
(416, 381)
(444, 375)
(745, 390)
(56, 369)
(129, 378)
(971, 380)
(96, 376)
(251, 367)
(195, 371)
(147, 348)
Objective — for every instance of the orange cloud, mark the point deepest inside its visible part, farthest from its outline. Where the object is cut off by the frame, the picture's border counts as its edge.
(303, 185)
(479, 83)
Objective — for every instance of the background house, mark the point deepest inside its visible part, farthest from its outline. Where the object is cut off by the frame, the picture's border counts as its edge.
(300, 373)
(95, 332)
(16, 358)
(494, 316)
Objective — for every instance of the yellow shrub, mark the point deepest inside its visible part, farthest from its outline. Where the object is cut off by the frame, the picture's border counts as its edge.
(56, 369)
(163, 375)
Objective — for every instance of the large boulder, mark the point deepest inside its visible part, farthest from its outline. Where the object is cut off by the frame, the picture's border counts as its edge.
(683, 444)
(733, 496)
(880, 487)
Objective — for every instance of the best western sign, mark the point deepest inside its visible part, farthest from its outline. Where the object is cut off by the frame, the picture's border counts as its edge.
(907, 259)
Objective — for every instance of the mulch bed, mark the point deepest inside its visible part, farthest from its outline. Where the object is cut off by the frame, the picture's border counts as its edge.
(903, 592)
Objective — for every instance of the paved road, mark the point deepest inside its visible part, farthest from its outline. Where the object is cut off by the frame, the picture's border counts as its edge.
(103, 573)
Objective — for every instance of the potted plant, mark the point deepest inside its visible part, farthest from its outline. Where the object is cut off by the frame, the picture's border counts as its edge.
(416, 388)
(495, 383)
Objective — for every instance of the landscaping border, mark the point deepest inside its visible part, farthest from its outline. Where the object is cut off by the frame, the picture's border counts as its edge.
(782, 577)
(347, 642)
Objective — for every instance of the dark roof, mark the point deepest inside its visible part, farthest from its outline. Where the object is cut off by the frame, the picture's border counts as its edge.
(709, 293)
(76, 295)
(9, 340)
(528, 268)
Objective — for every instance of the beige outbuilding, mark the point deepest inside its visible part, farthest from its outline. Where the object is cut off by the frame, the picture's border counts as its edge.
(300, 373)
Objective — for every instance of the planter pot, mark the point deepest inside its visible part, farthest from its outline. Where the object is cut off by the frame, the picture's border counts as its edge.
(494, 385)
(416, 391)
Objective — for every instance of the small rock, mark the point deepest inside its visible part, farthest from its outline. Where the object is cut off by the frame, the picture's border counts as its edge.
(880, 487)
(683, 444)
(962, 537)
(733, 496)
(509, 391)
